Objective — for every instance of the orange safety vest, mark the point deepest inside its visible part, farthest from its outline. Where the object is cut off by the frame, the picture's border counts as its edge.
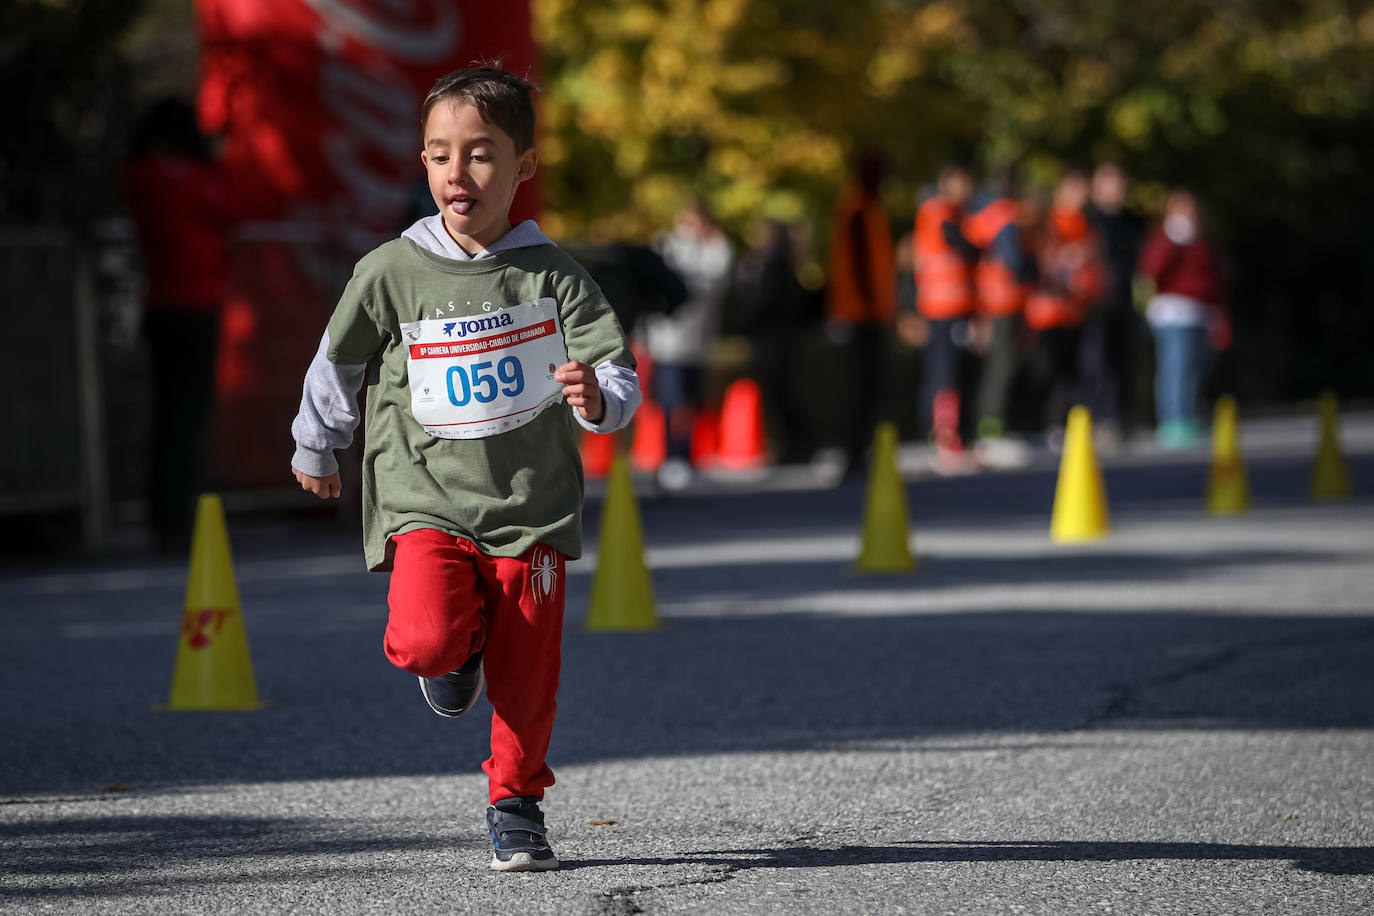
(999, 289)
(846, 300)
(1072, 275)
(943, 289)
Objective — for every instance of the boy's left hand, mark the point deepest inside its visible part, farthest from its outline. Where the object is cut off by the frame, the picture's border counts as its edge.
(582, 390)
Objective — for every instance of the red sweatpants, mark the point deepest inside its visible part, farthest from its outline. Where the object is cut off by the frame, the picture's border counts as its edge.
(448, 600)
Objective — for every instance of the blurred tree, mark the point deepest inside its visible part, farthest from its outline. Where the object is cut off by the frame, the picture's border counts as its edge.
(1266, 107)
(756, 103)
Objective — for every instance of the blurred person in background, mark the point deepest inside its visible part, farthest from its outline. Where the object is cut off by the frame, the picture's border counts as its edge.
(861, 298)
(943, 268)
(634, 278)
(1070, 280)
(778, 310)
(182, 209)
(1111, 333)
(1182, 277)
(999, 279)
(680, 341)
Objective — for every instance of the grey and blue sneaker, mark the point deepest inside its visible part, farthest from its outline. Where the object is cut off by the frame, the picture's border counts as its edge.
(518, 838)
(454, 693)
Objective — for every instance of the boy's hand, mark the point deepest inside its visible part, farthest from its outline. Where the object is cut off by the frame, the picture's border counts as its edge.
(582, 390)
(323, 487)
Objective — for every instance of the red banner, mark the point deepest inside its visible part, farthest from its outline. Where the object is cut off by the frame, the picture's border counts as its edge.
(317, 103)
(318, 100)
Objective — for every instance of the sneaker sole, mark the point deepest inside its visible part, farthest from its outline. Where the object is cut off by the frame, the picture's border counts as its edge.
(523, 861)
(452, 713)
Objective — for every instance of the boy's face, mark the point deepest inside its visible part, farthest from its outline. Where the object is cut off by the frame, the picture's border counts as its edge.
(473, 171)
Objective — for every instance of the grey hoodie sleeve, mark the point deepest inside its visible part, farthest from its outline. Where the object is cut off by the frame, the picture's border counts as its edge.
(619, 392)
(328, 414)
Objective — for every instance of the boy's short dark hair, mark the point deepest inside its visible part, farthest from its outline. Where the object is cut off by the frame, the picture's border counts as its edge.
(500, 97)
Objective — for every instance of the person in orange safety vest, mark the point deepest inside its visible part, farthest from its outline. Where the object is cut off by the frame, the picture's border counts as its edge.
(862, 296)
(1071, 279)
(999, 282)
(943, 263)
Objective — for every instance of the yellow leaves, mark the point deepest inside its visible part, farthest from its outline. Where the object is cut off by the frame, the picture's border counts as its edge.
(751, 76)
(609, 66)
(667, 62)
(638, 20)
(723, 15)
(758, 104)
(890, 68)
(1130, 120)
(939, 23)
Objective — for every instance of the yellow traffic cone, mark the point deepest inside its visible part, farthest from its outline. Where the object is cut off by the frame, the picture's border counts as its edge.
(1330, 476)
(213, 668)
(1228, 485)
(886, 546)
(1080, 499)
(622, 592)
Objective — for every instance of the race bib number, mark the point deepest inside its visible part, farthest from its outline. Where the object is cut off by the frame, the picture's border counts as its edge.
(480, 376)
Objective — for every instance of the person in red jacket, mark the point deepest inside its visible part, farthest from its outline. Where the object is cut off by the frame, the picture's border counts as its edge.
(1187, 315)
(1071, 278)
(943, 265)
(182, 208)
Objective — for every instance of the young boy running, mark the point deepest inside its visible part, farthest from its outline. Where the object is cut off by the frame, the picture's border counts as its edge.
(472, 489)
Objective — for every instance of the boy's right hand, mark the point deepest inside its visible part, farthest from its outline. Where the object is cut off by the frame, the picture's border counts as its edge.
(323, 487)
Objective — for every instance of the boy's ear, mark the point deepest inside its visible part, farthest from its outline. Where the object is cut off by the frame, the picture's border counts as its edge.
(528, 164)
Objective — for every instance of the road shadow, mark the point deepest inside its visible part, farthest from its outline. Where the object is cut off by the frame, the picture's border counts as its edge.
(1329, 860)
(129, 855)
(700, 686)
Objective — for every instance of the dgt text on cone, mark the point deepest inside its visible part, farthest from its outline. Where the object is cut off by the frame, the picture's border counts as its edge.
(622, 592)
(213, 668)
(1228, 484)
(1330, 475)
(1080, 498)
(886, 545)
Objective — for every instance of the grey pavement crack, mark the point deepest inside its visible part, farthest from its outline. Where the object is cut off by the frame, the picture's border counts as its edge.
(1124, 698)
(619, 901)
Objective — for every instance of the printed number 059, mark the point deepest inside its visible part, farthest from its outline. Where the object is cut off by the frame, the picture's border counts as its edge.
(481, 385)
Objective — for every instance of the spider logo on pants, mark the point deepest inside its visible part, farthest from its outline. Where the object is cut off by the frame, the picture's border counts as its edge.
(543, 572)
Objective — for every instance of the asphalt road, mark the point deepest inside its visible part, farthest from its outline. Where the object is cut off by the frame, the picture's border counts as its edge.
(1176, 719)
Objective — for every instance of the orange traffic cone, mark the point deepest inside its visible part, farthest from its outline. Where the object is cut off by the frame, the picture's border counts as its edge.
(598, 451)
(741, 427)
(213, 668)
(706, 438)
(649, 448)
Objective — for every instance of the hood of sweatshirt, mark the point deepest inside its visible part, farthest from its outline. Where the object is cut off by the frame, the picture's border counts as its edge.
(429, 233)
